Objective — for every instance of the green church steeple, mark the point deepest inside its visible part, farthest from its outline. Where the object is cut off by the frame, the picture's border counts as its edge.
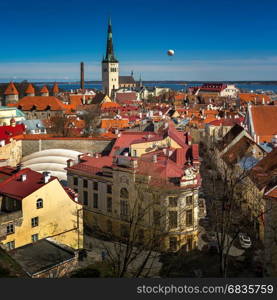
(110, 57)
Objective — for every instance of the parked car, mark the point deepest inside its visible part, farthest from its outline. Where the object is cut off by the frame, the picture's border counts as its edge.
(245, 241)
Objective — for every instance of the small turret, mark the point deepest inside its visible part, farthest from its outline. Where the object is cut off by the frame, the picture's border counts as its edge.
(55, 89)
(11, 93)
(44, 91)
(30, 91)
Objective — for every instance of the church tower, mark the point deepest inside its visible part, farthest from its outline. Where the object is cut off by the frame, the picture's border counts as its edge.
(110, 66)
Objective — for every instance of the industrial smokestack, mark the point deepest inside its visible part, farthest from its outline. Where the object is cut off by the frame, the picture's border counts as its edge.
(82, 79)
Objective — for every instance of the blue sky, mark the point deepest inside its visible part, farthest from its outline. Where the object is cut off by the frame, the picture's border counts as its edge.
(213, 40)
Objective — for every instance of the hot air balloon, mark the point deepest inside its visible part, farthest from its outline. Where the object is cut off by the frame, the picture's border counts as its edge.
(170, 52)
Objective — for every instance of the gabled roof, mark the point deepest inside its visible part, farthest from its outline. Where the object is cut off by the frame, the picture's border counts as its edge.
(126, 80)
(15, 188)
(123, 97)
(11, 89)
(238, 151)
(101, 98)
(265, 170)
(230, 136)
(264, 119)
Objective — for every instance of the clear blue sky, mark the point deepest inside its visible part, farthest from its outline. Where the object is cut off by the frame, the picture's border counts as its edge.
(213, 40)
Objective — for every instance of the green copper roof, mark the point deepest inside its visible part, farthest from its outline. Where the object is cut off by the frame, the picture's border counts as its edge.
(110, 57)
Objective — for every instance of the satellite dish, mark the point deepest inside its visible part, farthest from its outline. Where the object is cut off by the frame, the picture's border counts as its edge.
(170, 52)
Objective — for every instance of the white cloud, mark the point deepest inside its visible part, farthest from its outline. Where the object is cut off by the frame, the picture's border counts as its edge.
(168, 69)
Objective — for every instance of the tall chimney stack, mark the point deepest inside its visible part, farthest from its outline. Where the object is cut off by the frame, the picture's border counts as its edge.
(82, 79)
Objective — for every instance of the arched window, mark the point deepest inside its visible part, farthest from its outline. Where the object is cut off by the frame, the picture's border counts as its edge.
(124, 193)
(39, 203)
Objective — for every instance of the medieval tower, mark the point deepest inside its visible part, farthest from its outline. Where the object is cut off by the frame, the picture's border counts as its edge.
(110, 66)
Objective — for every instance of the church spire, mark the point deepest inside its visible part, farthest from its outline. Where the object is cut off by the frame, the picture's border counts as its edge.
(110, 57)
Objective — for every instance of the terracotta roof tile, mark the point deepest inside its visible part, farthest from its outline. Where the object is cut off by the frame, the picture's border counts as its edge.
(15, 188)
(8, 132)
(44, 89)
(11, 89)
(30, 89)
(55, 88)
(264, 120)
(41, 103)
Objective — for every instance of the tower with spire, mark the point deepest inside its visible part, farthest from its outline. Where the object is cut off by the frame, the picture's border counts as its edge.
(110, 66)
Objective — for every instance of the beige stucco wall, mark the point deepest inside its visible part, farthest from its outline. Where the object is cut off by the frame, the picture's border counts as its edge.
(141, 148)
(110, 79)
(7, 114)
(11, 152)
(126, 179)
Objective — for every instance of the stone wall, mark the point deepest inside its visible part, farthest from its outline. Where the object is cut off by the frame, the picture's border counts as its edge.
(11, 153)
(82, 145)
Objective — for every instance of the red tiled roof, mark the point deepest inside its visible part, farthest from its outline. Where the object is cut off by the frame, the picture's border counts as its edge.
(125, 96)
(254, 98)
(15, 188)
(264, 121)
(44, 89)
(91, 164)
(227, 122)
(30, 89)
(8, 132)
(265, 169)
(109, 105)
(11, 89)
(126, 139)
(40, 103)
(55, 88)
(114, 123)
(177, 136)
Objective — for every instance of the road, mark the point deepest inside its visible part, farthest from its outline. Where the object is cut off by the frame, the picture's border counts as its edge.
(211, 196)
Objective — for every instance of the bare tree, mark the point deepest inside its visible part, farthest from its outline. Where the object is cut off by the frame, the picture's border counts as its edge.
(146, 223)
(59, 126)
(227, 216)
(91, 118)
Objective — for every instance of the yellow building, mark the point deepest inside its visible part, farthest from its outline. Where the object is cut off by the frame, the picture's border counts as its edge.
(36, 206)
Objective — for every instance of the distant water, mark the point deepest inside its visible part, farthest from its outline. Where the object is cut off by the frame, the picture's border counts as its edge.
(245, 87)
